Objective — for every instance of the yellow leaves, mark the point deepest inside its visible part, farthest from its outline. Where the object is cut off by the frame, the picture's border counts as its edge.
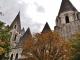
(1, 50)
(2, 43)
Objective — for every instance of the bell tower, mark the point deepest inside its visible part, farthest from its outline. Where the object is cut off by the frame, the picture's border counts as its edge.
(67, 21)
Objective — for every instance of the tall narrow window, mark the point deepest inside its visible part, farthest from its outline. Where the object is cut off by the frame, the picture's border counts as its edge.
(11, 57)
(67, 19)
(77, 16)
(15, 37)
(16, 56)
(15, 26)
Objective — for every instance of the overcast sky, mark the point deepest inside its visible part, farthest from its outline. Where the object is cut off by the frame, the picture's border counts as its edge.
(33, 13)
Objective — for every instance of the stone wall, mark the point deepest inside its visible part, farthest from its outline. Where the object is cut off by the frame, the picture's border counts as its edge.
(60, 20)
(16, 51)
(68, 30)
(13, 32)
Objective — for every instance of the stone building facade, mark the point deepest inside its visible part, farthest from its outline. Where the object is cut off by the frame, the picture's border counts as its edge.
(18, 36)
(68, 20)
(67, 23)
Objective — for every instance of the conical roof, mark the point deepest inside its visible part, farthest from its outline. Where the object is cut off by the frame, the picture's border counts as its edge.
(22, 31)
(66, 5)
(24, 37)
(16, 22)
(46, 28)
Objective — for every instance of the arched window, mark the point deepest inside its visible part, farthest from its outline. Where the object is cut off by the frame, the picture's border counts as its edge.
(15, 37)
(11, 57)
(67, 19)
(16, 56)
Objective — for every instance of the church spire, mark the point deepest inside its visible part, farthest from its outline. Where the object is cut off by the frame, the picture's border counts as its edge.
(66, 5)
(16, 23)
(23, 29)
(46, 28)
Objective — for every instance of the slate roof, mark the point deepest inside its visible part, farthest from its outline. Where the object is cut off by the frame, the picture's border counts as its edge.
(23, 31)
(66, 5)
(24, 37)
(46, 28)
(16, 20)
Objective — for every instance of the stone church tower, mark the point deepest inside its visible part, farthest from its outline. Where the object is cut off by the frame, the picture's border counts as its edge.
(67, 23)
(15, 29)
(18, 37)
(68, 20)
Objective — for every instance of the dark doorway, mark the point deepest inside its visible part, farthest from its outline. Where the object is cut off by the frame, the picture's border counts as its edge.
(11, 57)
(16, 56)
(67, 19)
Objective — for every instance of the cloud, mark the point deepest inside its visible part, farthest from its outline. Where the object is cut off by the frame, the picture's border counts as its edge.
(10, 10)
(39, 7)
(28, 22)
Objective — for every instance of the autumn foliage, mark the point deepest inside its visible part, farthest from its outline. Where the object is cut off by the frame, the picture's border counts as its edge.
(2, 50)
(4, 42)
(46, 46)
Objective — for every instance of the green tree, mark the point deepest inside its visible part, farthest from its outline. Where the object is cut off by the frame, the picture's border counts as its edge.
(4, 37)
(76, 46)
(1, 24)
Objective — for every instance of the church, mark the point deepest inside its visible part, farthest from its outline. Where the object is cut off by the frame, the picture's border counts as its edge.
(67, 23)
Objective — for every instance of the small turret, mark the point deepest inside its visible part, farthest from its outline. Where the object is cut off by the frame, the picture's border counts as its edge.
(22, 31)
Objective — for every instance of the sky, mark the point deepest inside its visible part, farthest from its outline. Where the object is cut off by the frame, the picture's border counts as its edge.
(33, 13)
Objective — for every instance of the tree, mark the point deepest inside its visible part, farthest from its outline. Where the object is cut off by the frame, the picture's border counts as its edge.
(2, 50)
(76, 46)
(1, 24)
(46, 46)
(4, 41)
